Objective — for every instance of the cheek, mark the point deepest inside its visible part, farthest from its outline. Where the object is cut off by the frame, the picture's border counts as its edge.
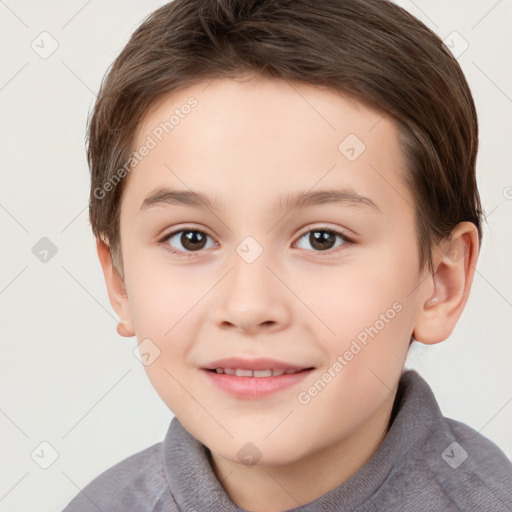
(366, 353)
(369, 316)
(162, 296)
(354, 297)
(163, 312)
(165, 303)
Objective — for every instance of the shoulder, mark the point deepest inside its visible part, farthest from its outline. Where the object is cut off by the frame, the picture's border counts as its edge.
(465, 469)
(438, 463)
(485, 466)
(136, 483)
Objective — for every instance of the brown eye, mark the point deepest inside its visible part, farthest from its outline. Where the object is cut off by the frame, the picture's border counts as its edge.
(187, 240)
(323, 239)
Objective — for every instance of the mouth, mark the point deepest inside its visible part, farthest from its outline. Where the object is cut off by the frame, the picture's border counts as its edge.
(256, 378)
(242, 372)
(261, 367)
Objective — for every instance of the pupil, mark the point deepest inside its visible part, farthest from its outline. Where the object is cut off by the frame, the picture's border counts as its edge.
(192, 240)
(320, 239)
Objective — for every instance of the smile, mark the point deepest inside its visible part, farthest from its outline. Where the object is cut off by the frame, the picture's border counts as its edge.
(239, 372)
(255, 384)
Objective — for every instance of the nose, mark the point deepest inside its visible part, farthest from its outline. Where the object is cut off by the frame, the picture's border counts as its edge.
(252, 299)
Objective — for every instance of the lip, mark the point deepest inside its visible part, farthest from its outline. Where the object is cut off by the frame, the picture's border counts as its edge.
(254, 387)
(253, 364)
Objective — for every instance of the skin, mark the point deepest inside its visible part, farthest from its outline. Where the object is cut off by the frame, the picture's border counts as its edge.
(247, 144)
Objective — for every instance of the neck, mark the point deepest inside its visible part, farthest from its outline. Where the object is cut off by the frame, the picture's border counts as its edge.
(264, 488)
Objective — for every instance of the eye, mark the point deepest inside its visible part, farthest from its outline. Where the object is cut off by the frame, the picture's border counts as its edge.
(186, 241)
(190, 240)
(323, 239)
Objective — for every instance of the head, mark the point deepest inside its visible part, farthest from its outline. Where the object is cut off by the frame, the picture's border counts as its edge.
(250, 104)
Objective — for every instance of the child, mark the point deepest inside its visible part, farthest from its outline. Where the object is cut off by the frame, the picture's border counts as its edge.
(322, 155)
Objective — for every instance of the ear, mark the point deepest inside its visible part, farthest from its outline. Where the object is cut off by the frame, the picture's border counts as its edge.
(116, 290)
(455, 264)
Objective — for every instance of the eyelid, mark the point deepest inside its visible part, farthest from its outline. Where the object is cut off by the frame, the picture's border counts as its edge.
(339, 232)
(323, 227)
(179, 229)
(162, 240)
(306, 229)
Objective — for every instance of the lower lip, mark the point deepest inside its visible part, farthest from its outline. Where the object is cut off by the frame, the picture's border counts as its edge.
(255, 387)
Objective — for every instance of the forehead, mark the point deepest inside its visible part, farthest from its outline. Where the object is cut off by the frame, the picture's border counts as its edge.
(253, 141)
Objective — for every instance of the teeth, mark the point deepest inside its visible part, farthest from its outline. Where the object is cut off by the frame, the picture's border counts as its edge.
(254, 373)
(243, 373)
(262, 373)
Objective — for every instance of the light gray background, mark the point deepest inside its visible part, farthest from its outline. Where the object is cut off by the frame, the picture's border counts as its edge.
(67, 378)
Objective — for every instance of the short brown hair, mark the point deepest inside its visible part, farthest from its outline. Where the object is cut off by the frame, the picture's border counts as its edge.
(371, 50)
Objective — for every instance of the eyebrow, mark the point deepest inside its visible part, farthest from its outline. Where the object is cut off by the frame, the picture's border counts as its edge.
(304, 199)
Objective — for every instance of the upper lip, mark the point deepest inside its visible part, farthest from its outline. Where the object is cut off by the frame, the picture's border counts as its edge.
(253, 364)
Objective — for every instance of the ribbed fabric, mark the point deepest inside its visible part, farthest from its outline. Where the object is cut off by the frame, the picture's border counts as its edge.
(426, 463)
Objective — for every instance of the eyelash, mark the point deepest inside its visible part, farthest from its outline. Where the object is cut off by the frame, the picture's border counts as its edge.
(189, 254)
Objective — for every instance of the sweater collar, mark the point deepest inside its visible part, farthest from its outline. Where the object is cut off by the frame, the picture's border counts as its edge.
(195, 486)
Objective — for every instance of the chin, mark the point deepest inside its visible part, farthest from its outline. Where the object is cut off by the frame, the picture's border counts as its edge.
(252, 454)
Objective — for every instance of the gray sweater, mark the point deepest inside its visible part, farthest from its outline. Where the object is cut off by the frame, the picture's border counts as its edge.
(426, 463)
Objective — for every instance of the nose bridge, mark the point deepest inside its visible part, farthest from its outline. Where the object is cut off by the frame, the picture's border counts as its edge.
(252, 296)
(250, 277)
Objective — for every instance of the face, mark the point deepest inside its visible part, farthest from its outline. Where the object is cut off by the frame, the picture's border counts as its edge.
(301, 249)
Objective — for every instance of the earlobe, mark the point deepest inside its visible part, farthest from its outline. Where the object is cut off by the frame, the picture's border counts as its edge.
(455, 264)
(125, 329)
(116, 290)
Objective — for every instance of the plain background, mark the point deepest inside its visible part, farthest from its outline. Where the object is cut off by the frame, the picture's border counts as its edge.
(67, 378)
